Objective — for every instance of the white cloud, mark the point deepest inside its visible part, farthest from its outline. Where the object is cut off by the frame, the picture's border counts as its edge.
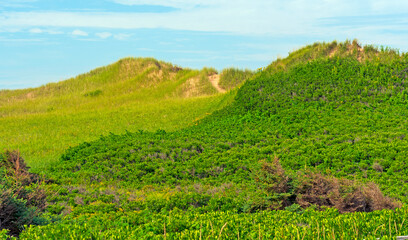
(104, 35)
(273, 17)
(242, 21)
(79, 33)
(35, 30)
(49, 31)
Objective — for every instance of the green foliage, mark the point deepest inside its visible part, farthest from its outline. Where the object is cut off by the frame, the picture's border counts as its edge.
(333, 109)
(326, 114)
(4, 235)
(310, 224)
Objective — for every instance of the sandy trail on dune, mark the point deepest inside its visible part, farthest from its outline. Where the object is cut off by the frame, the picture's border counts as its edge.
(215, 80)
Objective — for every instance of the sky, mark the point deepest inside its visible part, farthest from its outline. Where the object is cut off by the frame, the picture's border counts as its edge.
(44, 41)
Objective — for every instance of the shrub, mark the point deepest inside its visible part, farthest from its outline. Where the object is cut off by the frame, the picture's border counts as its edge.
(274, 182)
(273, 177)
(21, 197)
(343, 194)
(307, 189)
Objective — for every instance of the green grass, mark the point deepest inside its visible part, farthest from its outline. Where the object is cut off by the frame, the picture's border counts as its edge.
(232, 77)
(328, 224)
(129, 95)
(319, 130)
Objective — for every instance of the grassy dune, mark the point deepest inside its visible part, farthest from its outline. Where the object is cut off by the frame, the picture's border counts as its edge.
(131, 94)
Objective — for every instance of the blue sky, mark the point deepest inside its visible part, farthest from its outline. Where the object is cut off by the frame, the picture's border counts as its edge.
(45, 41)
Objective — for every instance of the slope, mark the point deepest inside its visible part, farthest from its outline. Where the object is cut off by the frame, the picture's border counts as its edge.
(315, 130)
(334, 114)
(130, 94)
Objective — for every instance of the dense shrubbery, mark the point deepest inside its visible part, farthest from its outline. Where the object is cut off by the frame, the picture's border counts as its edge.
(336, 124)
(21, 195)
(327, 114)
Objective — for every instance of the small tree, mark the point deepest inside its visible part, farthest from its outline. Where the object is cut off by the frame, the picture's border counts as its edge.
(275, 184)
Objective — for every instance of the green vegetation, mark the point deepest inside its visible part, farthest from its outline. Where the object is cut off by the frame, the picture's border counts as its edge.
(21, 195)
(305, 150)
(232, 77)
(131, 94)
(311, 224)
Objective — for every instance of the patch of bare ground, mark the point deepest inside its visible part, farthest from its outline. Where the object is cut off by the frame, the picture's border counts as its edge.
(215, 80)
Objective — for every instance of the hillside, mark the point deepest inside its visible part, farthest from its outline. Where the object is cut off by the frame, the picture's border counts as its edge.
(126, 81)
(326, 114)
(131, 94)
(311, 147)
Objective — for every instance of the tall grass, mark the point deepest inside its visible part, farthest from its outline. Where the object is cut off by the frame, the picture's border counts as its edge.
(232, 77)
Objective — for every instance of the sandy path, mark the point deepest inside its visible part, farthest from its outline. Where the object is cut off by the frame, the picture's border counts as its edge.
(215, 79)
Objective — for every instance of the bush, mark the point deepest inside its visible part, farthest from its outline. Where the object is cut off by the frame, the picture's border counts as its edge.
(307, 189)
(21, 197)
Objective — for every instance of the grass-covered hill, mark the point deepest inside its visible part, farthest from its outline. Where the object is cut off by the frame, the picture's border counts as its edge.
(335, 114)
(312, 147)
(131, 94)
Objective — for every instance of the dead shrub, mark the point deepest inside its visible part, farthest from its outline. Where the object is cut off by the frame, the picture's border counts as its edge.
(21, 197)
(307, 188)
(343, 194)
(377, 200)
(18, 168)
(314, 190)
